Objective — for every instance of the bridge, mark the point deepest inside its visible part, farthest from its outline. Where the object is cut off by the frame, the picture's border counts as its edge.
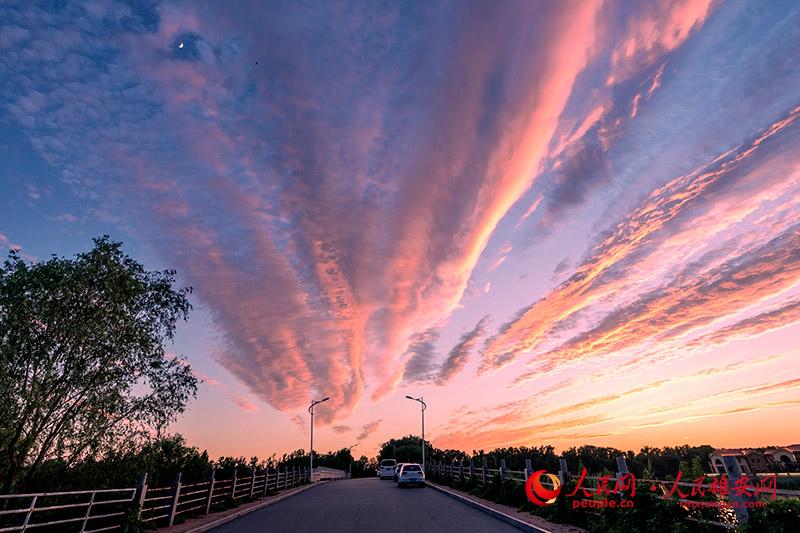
(290, 499)
(274, 501)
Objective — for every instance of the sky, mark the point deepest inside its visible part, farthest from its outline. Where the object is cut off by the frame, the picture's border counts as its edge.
(563, 223)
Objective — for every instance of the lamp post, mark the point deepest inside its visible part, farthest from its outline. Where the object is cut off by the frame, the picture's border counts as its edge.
(424, 406)
(311, 410)
(350, 468)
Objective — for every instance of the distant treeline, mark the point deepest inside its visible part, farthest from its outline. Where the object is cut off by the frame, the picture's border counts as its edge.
(164, 457)
(661, 462)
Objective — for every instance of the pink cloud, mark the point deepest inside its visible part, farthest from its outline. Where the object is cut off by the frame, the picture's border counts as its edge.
(655, 29)
(245, 404)
(637, 232)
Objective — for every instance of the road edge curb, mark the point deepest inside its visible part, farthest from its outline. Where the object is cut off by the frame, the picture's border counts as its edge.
(508, 519)
(243, 512)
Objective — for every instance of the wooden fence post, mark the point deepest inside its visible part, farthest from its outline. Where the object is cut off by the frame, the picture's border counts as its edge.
(233, 487)
(622, 468)
(471, 468)
(210, 494)
(31, 507)
(502, 470)
(266, 482)
(285, 477)
(176, 494)
(252, 482)
(485, 470)
(528, 468)
(88, 512)
(563, 472)
(139, 495)
(461, 469)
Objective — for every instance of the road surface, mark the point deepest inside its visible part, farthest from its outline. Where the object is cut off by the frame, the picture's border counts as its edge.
(367, 505)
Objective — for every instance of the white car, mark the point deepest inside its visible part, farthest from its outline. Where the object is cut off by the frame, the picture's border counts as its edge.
(411, 474)
(386, 469)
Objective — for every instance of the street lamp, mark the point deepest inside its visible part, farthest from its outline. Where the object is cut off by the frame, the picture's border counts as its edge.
(311, 410)
(350, 468)
(424, 406)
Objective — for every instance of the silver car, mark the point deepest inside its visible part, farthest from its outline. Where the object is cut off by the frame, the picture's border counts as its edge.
(410, 474)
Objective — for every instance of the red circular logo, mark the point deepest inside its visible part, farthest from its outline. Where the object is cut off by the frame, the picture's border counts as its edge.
(538, 493)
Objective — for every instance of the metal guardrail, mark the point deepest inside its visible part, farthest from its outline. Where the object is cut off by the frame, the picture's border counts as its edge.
(93, 511)
(61, 508)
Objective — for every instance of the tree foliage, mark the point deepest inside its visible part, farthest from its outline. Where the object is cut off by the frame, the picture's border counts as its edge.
(407, 449)
(83, 368)
(161, 458)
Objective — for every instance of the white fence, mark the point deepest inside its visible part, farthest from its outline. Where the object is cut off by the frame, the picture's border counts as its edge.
(322, 473)
(92, 511)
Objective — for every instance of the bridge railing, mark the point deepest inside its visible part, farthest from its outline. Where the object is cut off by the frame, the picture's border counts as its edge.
(666, 489)
(484, 475)
(322, 473)
(92, 511)
(87, 511)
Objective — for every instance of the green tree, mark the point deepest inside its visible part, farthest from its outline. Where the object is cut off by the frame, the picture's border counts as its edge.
(779, 516)
(83, 369)
(406, 450)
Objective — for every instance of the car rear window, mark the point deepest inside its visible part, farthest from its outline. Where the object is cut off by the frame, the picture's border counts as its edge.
(412, 468)
(388, 462)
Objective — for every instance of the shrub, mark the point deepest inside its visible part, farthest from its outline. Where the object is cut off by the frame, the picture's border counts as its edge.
(132, 521)
(649, 513)
(779, 516)
(561, 511)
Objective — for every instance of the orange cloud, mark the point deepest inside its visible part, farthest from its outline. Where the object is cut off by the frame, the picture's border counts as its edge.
(778, 317)
(587, 285)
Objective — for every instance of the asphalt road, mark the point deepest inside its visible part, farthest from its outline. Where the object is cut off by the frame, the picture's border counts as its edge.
(367, 505)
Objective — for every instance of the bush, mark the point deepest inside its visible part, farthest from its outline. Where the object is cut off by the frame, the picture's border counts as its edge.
(512, 493)
(132, 522)
(779, 516)
(561, 511)
(492, 489)
(649, 513)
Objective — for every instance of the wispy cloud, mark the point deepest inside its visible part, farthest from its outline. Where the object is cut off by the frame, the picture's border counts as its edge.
(245, 404)
(421, 355)
(368, 429)
(601, 272)
(459, 354)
